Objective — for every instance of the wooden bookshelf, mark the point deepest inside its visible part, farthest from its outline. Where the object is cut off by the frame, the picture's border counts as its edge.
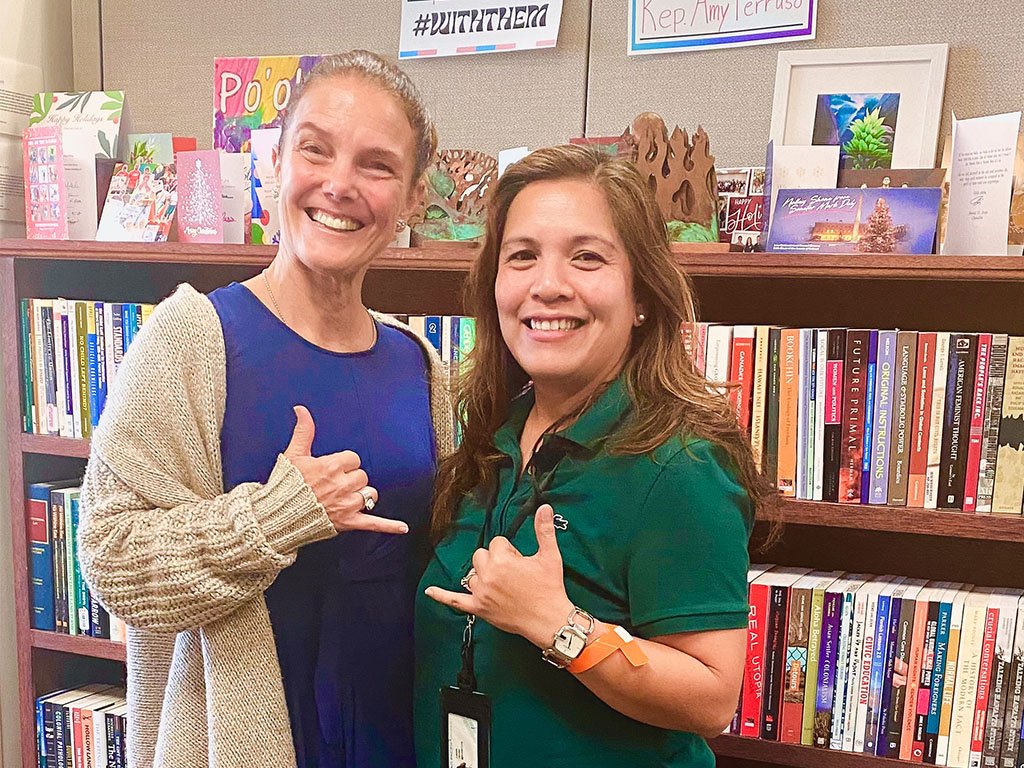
(874, 291)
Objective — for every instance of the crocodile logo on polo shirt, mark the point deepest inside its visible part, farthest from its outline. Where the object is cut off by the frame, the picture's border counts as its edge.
(560, 523)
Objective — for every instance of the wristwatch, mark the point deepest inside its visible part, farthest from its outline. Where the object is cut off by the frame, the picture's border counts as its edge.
(570, 640)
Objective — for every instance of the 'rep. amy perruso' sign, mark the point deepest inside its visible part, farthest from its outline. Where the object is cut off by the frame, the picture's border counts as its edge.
(670, 26)
(458, 27)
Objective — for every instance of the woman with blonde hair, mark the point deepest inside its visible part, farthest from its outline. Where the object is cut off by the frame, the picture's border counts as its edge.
(247, 437)
(609, 630)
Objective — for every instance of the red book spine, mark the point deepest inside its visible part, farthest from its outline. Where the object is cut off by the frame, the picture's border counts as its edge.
(922, 415)
(753, 682)
(984, 678)
(977, 422)
(76, 720)
(741, 373)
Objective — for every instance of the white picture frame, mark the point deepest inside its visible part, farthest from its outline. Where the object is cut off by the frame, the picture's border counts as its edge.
(916, 72)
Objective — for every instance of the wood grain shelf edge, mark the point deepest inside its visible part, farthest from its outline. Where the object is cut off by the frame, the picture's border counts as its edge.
(82, 645)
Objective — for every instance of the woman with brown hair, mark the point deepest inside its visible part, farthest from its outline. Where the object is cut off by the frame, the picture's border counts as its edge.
(247, 438)
(582, 410)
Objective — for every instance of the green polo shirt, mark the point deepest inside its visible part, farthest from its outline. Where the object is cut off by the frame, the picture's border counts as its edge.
(656, 543)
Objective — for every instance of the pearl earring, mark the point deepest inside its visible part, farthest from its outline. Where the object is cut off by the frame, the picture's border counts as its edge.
(641, 318)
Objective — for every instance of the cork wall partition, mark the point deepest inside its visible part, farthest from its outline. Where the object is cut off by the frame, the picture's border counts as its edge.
(730, 91)
(161, 54)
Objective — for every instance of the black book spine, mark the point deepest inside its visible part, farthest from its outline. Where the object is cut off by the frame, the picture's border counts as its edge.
(956, 422)
(775, 662)
(835, 382)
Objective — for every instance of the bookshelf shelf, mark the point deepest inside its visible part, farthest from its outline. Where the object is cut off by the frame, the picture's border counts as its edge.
(876, 291)
(80, 645)
(54, 446)
(794, 755)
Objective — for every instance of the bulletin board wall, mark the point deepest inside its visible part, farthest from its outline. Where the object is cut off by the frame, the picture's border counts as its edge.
(161, 53)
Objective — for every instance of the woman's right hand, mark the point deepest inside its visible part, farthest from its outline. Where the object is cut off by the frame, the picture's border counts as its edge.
(336, 480)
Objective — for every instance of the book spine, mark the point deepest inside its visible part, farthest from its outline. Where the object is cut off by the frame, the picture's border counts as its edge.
(775, 658)
(813, 663)
(117, 335)
(77, 742)
(40, 535)
(1015, 695)
(828, 653)
(968, 663)
(885, 698)
(27, 403)
(60, 602)
(759, 394)
(902, 417)
(881, 645)
(741, 375)
(1009, 483)
(903, 697)
(40, 734)
(999, 687)
(869, 416)
(70, 561)
(67, 321)
(753, 683)
(52, 425)
(58, 374)
(957, 420)
(770, 460)
(988, 649)
(71, 345)
(924, 380)
(842, 669)
(796, 665)
(914, 704)
(805, 415)
(111, 739)
(993, 411)
(947, 646)
(39, 367)
(866, 665)
(59, 736)
(108, 346)
(835, 382)
(789, 406)
(931, 684)
(82, 334)
(820, 378)
(854, 395)
(972, 467)
(91, 351)
(81, 590)
(101, 363)
(99, 619)
(881, 433)
(935, 430)
(853, 671)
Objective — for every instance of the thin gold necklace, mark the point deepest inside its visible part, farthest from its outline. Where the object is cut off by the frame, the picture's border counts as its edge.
(277, 309)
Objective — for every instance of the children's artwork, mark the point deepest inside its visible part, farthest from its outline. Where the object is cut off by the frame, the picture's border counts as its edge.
(140, 204)
(236, 195)
(266, 226)
(251, 92)
(91, 122)
(150, 148)
(453, 207)
(200, 211)
(900, 220)
(862, 125)
(46, 203)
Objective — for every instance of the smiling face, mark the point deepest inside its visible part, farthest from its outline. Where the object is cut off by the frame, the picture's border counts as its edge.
(564, 287)
(345, 171)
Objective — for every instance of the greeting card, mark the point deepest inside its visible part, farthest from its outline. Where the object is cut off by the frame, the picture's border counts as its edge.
(266, 227)
(236, 195)
(900, 220)
(801, 167)
(140, 203)
(200, 209)
(46, 202)
(150, 148)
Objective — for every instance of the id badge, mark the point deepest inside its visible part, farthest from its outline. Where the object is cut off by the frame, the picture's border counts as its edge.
(465, 729)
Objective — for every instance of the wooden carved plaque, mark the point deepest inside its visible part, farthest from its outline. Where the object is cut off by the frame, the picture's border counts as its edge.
(453, 206)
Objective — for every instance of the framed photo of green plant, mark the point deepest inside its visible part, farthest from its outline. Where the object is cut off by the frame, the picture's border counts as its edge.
(881, 106)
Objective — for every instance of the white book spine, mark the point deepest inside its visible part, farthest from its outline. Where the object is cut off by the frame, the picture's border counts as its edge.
(76, 394)
(719, 356)
(949, 683)
(63, 417)
(931, 481)
(860, 611)
(967, 665)
(864, 683)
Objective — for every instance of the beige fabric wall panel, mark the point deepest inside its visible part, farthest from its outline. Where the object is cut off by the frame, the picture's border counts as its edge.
(161, 54)
(730, 91)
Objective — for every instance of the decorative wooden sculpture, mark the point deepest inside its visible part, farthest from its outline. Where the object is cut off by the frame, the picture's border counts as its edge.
(453, 207)
(681, 173)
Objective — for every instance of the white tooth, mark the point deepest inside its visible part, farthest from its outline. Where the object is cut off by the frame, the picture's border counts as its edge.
(563, 325)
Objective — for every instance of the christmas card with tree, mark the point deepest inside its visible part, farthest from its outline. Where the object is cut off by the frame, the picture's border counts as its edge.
(46, 202)
(200, 210)
(900, 220)
(140, 203)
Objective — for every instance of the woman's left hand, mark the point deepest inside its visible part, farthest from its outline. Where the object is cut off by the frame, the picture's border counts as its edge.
(522, 595)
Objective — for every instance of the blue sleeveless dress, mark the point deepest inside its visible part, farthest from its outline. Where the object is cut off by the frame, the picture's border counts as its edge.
(342, 614)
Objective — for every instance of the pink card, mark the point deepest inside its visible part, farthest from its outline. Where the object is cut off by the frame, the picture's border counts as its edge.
(200, 210)
(46, 197)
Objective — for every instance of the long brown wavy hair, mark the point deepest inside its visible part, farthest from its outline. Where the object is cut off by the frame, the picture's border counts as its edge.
(671, 396)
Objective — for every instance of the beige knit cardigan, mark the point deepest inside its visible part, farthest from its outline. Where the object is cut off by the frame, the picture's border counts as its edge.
(185, 564)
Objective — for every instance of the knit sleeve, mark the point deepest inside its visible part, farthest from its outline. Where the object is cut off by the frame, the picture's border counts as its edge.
(175, 568)
(160, 543)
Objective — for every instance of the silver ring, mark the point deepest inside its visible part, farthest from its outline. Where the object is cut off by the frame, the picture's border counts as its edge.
(464, 581)
(368, 502)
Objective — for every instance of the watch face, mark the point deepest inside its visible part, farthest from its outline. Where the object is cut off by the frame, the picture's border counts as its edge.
(570, 642)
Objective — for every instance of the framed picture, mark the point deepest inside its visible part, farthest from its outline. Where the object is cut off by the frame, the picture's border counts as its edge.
(881, 106)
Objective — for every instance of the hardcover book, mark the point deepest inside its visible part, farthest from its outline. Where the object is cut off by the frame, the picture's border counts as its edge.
(993, 415)
(957, 419)
(881, 437)
(1009, 483)
(854, 414)
(902, 417)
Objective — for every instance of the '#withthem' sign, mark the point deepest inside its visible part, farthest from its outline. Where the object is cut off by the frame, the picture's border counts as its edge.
(668, 26)
(459, 27)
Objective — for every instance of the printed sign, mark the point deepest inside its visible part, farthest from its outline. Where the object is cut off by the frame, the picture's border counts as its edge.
(671, 26)
(459, 27)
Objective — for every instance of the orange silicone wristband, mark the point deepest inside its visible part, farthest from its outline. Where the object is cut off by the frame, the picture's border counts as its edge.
(616, 639)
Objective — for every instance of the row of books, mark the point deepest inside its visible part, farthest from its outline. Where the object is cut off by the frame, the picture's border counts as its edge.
(70, 352)
(925, 671)
(865, 416)
(61, 600)
(82, 728)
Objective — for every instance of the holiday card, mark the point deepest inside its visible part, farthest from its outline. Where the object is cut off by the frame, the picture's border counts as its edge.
(251, 92)
(200, 209)
(150, 148)
(900, 220)
(91, 122)
(46, 202)
(266, 226)
(140, 203)
(236, 195)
